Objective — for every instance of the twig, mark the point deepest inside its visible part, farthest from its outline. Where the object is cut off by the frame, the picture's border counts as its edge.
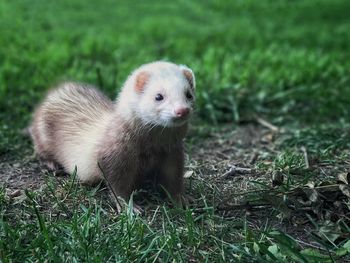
(279, 193)
(310, 245)
(267, 124)
(110, 187)
(222, 155)
(247, 206)
(307, 164)
(237, 170)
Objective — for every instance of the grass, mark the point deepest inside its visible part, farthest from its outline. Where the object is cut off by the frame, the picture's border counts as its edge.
(285, 61)
(86, 231)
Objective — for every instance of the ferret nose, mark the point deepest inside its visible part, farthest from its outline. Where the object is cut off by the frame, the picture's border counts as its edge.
(182, 112)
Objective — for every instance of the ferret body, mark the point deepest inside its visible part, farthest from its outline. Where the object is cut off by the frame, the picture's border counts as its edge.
(139, 135)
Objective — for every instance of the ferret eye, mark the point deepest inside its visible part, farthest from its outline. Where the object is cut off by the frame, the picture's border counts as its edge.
(189, 95)
(159, 97)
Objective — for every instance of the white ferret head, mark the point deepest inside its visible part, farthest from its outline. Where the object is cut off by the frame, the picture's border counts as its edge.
(159, 94)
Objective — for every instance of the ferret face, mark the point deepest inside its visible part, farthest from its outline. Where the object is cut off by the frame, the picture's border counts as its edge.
(166, 95)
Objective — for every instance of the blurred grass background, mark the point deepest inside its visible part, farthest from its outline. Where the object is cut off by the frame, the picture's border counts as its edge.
(288, 59)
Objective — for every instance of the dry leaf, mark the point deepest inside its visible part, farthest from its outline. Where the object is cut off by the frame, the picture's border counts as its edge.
(15, 193)
(329, 231)
(267, 138)
(311, 185)
(188, 174)
(344, 178)
(310, 192)
(345, 189)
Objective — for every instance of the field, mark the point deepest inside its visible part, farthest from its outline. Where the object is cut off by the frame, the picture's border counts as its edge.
(267, 155)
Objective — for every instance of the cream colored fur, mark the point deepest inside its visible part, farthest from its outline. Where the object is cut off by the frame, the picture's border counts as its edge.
(70, 125)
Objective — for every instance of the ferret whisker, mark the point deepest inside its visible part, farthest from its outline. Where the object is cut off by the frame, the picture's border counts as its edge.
(152, 126)
(162, 130)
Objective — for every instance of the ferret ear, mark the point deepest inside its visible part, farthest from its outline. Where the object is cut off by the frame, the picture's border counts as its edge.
(189, 76)
(141, 80)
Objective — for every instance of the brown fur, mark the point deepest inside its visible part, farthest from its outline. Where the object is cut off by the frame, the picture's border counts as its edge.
(127, 152)
(129, 155)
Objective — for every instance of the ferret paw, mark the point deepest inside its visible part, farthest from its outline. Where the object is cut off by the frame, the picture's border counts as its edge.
(51, 165)
(121, 205)
(183, 200)
(138, 210)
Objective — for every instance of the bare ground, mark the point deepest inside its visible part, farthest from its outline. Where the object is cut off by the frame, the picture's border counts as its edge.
(225, 167)
(209, 159)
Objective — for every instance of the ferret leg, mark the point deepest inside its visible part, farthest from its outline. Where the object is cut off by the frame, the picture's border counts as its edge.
(171, 175)
(122, 187)
(120, 175)
(122, 184)
(51, 165)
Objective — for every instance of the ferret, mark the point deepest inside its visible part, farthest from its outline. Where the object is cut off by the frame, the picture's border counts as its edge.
(137, 136)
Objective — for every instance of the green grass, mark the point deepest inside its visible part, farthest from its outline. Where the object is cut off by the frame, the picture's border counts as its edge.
(286, 61)
(82, 228)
